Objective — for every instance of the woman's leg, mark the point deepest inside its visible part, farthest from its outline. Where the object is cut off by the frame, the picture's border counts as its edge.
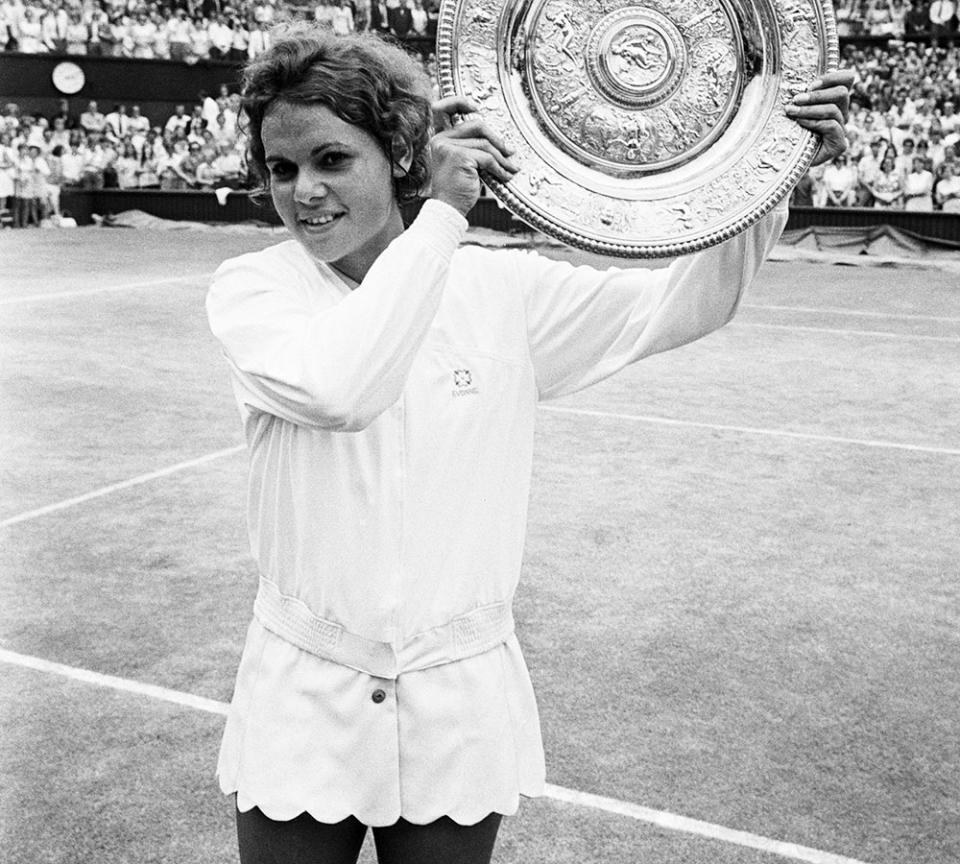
(302, 840)
(440, 842)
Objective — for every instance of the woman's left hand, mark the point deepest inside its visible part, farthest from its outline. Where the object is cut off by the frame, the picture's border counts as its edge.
(823, 109)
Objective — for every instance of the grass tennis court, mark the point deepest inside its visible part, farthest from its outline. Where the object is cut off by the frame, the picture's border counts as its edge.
(740, 601)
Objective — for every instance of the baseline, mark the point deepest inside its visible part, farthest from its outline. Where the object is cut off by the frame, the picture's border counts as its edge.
(755, 430)
(116, 487)
(129, 286)
(661, 818)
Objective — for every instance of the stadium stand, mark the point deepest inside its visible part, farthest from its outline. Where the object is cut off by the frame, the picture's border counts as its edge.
(903, 132)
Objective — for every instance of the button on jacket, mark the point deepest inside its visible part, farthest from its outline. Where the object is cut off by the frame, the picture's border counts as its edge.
(390, 431)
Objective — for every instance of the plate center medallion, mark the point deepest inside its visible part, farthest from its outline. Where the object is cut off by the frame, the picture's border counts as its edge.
(638, 90)
(636, 57)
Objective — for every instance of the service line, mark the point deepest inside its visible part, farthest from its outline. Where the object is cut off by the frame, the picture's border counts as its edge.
(754, 430)
(860, 313)
(661, 818)
(127, 286)
(117, 487)
(886, 334)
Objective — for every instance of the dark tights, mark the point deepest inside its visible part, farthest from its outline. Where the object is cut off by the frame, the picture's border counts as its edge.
(305, 841)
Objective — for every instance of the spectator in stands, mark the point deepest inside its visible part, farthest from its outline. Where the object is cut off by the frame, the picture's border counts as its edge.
(143, 34)
(228, 167)
(117, 124)
(148, 177)
(199, 39)
(918, 187)
(886, 184)
(178, 35)
(418, 18)
(53, 182)
(178, 121)
(138, 126)
(240, 40)
(78, 34)
(259, 40)
(948, 189)
(53, 29)
(59, 134)
(204, 174)
(867, 169)
(8, 163)
(936, 149)
(92, 122)
(30, 32)
(128, 167)
(342, 20)
(32, 171)
(323, 14)
(221, 38)
(100, 40)
(840, 182)
(71, 164)
(904, 160)
(379, 17)
(8, 37)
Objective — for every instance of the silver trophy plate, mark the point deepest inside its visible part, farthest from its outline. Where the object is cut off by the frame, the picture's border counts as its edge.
(642, 128)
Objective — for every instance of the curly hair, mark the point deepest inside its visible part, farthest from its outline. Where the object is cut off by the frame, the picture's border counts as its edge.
(362, 79)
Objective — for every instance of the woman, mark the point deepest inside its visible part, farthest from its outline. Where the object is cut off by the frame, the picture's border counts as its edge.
(886, 185)
(918, 187)
(388, 382)
(148, 175)
(948, 189)
(128, 167)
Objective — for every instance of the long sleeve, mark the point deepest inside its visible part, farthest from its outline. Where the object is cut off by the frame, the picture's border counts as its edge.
(584, 324)
(336, 365)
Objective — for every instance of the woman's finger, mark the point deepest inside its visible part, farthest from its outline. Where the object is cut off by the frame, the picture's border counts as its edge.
(444, 110)
(479, 129)
(828, 112)
(494, 161)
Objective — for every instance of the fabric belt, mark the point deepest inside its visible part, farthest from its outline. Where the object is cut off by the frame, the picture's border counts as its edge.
(465, 636)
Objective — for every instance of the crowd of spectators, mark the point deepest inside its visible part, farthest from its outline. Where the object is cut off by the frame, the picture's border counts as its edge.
(897, 18)
(192, 30)
(200, 148)
(903, 134)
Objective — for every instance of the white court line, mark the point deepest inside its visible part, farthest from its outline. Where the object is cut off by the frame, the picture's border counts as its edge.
(113, 682)
(842, 332)
(128, 286)
(755, 430)
(116, 487)
(836, 310)
(673, 822)
(661, 818)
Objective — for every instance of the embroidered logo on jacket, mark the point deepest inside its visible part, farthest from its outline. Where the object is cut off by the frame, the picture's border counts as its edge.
(463, 383)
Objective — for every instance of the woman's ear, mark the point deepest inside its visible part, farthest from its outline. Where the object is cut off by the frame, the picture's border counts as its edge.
(402, 159)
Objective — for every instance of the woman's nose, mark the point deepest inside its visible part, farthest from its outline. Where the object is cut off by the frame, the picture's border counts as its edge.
(309, 187)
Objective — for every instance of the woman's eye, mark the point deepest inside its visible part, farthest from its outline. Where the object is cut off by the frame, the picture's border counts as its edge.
(332, 159)
(281, 171)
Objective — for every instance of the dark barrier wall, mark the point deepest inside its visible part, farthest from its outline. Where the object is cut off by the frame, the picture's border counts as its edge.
(203, 207)
(157, 86)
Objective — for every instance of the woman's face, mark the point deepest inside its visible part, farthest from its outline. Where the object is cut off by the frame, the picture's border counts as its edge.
(332, 185)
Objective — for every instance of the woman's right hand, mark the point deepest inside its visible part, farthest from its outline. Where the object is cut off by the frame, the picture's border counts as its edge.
(458, 153)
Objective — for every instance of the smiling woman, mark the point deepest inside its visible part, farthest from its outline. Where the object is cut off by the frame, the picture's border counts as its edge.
(388, 382)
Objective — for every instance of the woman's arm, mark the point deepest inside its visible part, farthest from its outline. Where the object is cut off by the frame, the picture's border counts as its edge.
(341, 366)
(583, 325)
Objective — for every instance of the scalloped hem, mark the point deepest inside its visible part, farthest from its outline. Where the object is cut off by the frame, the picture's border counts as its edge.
(461, 816)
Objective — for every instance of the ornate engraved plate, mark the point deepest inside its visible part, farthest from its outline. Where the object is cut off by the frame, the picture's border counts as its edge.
(643, 128)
